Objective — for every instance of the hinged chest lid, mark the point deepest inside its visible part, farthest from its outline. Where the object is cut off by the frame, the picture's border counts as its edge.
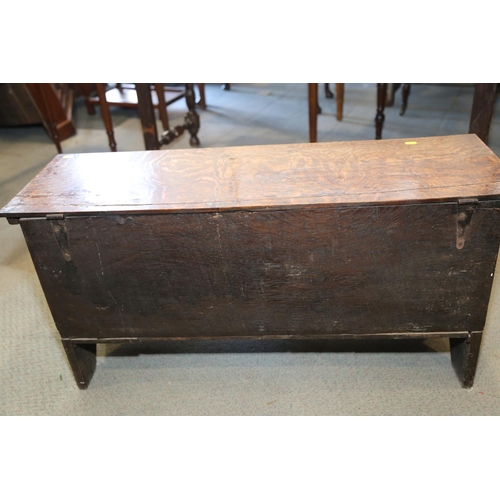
(392, 171)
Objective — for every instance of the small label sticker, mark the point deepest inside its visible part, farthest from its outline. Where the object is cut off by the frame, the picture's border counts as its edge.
(410, 142)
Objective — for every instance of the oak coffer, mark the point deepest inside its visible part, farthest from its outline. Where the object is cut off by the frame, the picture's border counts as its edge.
(366, 239)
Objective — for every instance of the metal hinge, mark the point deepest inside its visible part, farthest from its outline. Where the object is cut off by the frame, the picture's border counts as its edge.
(466, 208)
(61, 233)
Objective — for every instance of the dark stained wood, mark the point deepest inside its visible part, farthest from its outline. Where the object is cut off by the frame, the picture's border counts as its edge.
(328, 92)
(40, 94)
(55, 105)
(388, 239)
(339, 87)
(226, 86)
(464, 357)
(482, 110)
(82, 89)
(17, 106)
(259, 177)
(312, 91)
(380, 117)
(82, 360)
(313, 271)
(295, 336)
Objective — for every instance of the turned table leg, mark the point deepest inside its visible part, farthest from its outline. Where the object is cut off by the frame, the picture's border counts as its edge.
(192, 120)
(148, 121)
(379, 117)
(82, 359)
(464, 356)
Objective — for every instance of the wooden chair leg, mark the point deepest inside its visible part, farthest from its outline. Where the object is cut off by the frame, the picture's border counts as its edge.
(339, 88)
(328, 92)
(482, 110)
(379, 117)
(106, 115)
(162, 105)
(312, 90)
(201, 90)
(405, 94)
(82, 359)
(192, 119)
(464, 357)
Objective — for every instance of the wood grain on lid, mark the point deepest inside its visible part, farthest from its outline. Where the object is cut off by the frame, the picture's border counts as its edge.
(257, 177)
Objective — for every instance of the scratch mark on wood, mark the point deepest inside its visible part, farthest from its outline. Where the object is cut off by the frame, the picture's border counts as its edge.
(100, 261)
(218, 234)
(118, 307)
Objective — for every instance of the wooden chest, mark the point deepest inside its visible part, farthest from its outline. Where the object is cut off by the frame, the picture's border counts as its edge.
(394, 238)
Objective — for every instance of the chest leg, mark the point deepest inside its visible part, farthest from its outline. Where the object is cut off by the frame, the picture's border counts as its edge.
(464, 356)
(82, 359)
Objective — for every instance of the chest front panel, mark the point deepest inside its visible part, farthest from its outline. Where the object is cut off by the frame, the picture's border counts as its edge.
(317, 271)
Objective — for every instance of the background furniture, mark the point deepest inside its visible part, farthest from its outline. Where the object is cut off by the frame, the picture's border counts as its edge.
(31, 103)
(481, 113)
(392, 89)
(148, 121)
(159, 96)
(17, 107)
(314, 108)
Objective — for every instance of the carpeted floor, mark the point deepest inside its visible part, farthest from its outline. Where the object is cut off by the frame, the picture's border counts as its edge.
(234, 378)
